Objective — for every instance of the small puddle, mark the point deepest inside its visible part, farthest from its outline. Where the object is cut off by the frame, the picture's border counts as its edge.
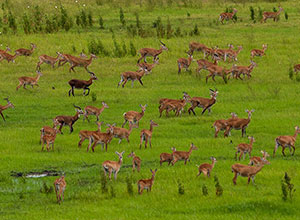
(36, 174)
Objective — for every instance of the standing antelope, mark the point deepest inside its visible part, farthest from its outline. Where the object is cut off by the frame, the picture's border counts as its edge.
(25, 80)
(63, 120)
(286, 141)
(206, 168)
(91, 110)
(148, 66)
(244, 148)
(60, 186)
(146, 183)
(237, 71)
(166, 157)
(136, 162)
(82, 84)
(102, 138)
(83, 134)
(8, 57)
(258, 52)
(133, 76)
(227, 15)
(3, 107)
(26, 52)
(221, 124)
(48, 60)
(146, 135)
(184, 63)
(258, 160)
(48, 139)
(150, 52)
(203, 103)
(274, 15)
(134, 117)
(198, 47)
(245, 171)
(113, 166)
(123, 133)
(183, 155)
(238, 124)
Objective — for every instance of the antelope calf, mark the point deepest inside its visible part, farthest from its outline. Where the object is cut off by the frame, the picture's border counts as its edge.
(245, 171)
(183, 155)
(274, 15)
(227, 15)
(134, 117)
(206, 168)
(8, 57)
(146, 135)
(136, 162)
(244, 148)
(60, 186)
(82, 84)
(83, 134)
(147, 183)
(184, 63)
(110, 166)
(166, 157)
(203, 103)
(150, 52)
(132, 76)
(221, 124)
(148, 66)
(122, 133)
(102, 138)
(286, 141)
(4, 107)
(32, 81)
(260, 160)
(48, 60)
(258, 52)
(26, 52)
(91, 110)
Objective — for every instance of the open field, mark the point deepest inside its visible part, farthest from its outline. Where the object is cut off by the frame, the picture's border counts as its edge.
(270, 91)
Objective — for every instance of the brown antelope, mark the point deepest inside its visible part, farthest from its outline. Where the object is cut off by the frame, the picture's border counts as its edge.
(173, 104)
(32, 81)
(26, 52)
(227, 15)
(237, 71)
(206, 168)
(148, 66)
(204, 64)
(123, 133)
(66, 57)
(217, 71)
(48, 139)
(183, 155)
(76, 61)
(102, 138)
(6, 50)
(221, 124)
(136, 162)
(258, 52)
(63, 120)
(245, 171)
(296, 68)
(60, 186)
(232, 54)
(259, 160)
(203, 103)
(211, 52)
(134, 117)
(198, 47)
(146, 183)
(82, 84)
(146, 135)
(286, 141)
(274, 15)
(184, 63)
(222, 53)
(133, 76)
(8, 57)
(46, 130)
(244, 148)
(91, 110)
(166, 157)
(83, 134)
(3, 107)
(48, 60)
(238, 124)
(150, 52)
(113, 166)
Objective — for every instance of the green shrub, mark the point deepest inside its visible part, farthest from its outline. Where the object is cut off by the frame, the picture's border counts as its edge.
(132, 49)
(129, 185)
(101, 22)
(180, 188)
(287, 188)
(26, 24)
(252, 13)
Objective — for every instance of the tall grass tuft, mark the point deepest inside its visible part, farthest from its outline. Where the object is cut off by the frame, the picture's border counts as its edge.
(287, 188)
(129, 185)
(291, 73)
(286, 16)
(252, 13)
(180, 188)
(122, 18)
(132, 50)
(112, 192)
(46, 189)
(101, 22)
(26, 24)
(103, 181)
(219, 189)
(204, 190)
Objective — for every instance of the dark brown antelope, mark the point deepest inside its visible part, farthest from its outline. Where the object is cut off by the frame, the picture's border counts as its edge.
(183, 155)
(146, 135)
(4, 107)
(146, 183)
(258, 52)
(132, 76)
(150, 52)
(60, 186)
(227, 15)
(245, 171)
(136, 162)
(113, 166)
(82, 84)
(184, 63)
(206, 168)
(203, 103)
(273, 15)
(32, 81)
(166, 157)
(244, 148)
(91, 110)
(48, 60)
(26, 52)
(134, 117)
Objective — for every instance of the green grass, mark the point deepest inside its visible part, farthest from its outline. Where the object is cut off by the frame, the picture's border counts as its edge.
(270, 92)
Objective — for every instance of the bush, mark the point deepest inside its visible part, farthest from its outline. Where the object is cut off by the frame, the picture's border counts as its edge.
(12, 22)
(252, 13)
(90, 19)
(219, 189)
(83, 19)
(286, 16)
(112, 192)
(26, 24)
(132, 49)
(94, 97)
(103, 181)
(129, 185)
(180, 188)
(37, 20)
(196, 30)
(287, 187)
(101, 22)
(260, 14)
(169, 30)
(46, 189)
(178, 32)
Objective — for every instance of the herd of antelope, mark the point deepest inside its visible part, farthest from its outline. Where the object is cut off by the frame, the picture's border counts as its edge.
(48, 134)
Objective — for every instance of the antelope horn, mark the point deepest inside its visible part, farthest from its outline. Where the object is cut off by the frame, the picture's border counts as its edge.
(76, 106)
(162, 43)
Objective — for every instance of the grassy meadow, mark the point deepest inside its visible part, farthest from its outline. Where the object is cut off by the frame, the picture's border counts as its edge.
(270, 91)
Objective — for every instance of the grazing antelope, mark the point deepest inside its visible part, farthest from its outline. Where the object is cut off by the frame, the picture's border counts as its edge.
(244, 148)
(206, 168)
(32, 81)
(147, 183)
(258, 52)
(134, 117)
(286, 141)
(48, 139)
(113, 166)
(82, 84)
(25, 52)
(296, 68)
(183, 155)
(238, 124)
(146, 135)
(8, 57)
(150, 52)
(123, 133)
(217, 71)
(237, 71)
(48, 60)
(136, 162)
(60, 186)
(227, 15)
(221, 124)
(83, 134)
(274, 15)
(148, 66)
(259, 160)
(184, 63)
(63, 120)
(102, 138)
(133, 76)
(195, 46)
(232, 54)
(3, 107)
(6, 50)
(173, 104)
(203, 103)
(166, 157)
(245, 171)
(91, 110)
